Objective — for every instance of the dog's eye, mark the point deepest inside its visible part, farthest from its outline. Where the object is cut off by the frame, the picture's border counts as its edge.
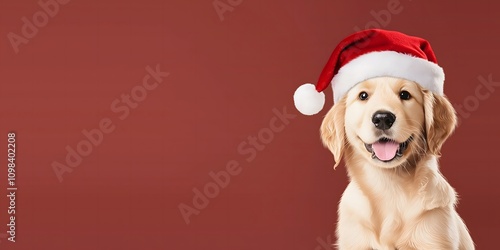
(363, 96)
(404, 95)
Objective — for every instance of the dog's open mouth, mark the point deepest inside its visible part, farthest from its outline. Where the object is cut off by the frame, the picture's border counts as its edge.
(386, 149)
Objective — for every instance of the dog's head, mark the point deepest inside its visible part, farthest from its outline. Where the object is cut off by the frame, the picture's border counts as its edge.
(387, 121)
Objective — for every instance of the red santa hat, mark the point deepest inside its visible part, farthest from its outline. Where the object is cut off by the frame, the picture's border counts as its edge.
(368, 54)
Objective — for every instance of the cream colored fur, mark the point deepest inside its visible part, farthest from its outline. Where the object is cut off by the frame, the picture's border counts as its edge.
(406, 203)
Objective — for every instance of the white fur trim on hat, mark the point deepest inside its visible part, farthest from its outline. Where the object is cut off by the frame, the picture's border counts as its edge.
(308, 100)
(388, 63)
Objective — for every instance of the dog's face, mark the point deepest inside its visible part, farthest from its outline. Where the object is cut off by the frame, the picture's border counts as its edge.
(386, 121)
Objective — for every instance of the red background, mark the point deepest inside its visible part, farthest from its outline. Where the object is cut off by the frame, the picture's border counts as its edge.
(226, 78)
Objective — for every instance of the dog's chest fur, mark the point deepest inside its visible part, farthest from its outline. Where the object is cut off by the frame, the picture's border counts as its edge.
(385, 199)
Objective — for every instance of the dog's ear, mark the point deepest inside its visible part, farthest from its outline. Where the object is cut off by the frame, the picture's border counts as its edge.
(333, 131)
(440, 121)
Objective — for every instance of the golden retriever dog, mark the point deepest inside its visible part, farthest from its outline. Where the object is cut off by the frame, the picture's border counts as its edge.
(389, 131)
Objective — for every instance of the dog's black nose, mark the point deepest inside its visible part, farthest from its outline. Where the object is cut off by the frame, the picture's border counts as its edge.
(383, 119)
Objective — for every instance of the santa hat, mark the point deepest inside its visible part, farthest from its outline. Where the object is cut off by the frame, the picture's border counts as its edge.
(368, 54)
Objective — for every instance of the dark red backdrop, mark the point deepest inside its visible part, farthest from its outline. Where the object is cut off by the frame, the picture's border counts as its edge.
(226, 77)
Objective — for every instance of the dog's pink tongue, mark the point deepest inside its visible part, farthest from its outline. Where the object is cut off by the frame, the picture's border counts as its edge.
(385, 150)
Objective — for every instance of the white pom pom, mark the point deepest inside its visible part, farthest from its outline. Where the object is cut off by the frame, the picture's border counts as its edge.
(307, 100)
